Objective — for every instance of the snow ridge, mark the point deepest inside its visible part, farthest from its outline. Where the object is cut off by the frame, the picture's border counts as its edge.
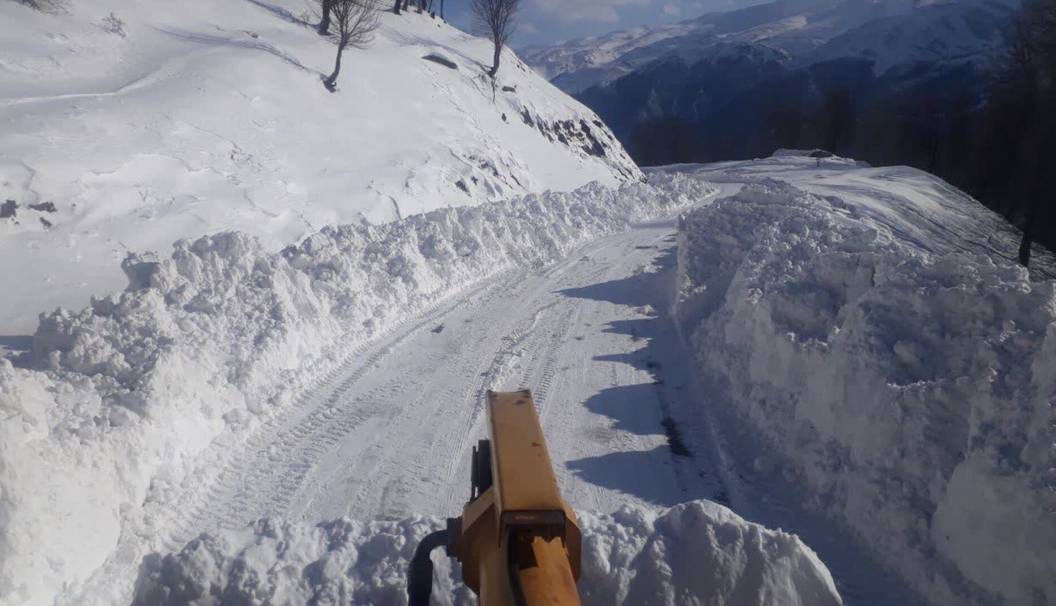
(211, 341)
(911, 392)
(698, 552)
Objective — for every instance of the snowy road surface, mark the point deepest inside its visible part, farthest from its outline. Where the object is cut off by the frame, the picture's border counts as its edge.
(389, 434)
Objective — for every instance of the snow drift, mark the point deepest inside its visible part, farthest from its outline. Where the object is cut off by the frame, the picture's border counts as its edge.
(695, 553)
(144, 122)
(907, 384)
(98, 446)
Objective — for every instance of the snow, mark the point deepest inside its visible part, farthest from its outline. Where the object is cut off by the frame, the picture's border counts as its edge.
(957, 32)
(891, 33)
(213, 342)
(870, 326)
(589, 60)
(695, 553)
(351, 271)
(205, 116)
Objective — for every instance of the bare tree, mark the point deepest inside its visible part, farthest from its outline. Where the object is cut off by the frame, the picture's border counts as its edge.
(496, 18)
(324, 22)
(356, 21)
(1024, 91)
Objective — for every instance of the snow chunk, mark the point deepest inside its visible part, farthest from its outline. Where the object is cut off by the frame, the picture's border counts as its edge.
(695, 553)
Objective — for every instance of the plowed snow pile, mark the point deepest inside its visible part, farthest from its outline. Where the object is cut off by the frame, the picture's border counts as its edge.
(696, 553)
(910, 391)
(215, 340)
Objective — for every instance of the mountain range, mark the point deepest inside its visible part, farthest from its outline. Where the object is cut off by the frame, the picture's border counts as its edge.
(883, 81)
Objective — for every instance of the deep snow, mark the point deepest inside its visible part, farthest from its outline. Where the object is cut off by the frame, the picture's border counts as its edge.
(868, 325)
(218, 339)
(695, 553)
(895, 361)
(164, 411)
(200, 116)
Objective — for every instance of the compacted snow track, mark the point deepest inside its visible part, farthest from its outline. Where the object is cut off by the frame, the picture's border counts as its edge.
(388, 434)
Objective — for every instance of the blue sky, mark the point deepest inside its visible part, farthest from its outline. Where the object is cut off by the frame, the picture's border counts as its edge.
(549, 21)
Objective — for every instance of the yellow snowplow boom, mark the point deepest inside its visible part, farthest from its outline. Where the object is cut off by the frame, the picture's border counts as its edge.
(517, 539)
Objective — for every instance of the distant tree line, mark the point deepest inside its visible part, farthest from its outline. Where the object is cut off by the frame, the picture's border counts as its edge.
(1019, 163)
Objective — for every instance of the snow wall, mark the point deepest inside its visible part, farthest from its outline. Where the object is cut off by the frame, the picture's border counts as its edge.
(912, 394)
(100, 444)
(695, 553)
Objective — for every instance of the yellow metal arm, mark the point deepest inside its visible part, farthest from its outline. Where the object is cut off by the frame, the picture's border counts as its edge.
(517, 539)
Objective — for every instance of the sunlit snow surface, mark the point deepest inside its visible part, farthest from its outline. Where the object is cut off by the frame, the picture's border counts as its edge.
(696, 553)
(199, 116)
(868, 324)
(871, 324)
(149, 394)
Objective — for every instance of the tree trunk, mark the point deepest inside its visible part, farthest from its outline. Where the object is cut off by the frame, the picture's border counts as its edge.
(324, 23)
(396, 7)
(1028, 233)
(495, 61)
(441, 10)
(331, 81)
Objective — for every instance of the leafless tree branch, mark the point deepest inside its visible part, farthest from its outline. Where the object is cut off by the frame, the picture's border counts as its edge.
(356, 21)
(497, 20)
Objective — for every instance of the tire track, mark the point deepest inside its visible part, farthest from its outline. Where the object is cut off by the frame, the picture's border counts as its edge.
(233, 494)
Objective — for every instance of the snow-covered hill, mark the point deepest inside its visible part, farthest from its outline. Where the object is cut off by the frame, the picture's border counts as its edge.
(791, 27)
(935, 34)
(799, 32)
(127, 124)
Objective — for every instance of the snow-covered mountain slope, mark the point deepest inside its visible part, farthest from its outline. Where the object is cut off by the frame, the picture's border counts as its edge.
(871, 326)
(802, 32)
(934, 34)
(634, 556)
(127, 124)
(579, 64)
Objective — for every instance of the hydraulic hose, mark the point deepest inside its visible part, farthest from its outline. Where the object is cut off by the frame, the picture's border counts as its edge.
(513, 568)
(420, 574)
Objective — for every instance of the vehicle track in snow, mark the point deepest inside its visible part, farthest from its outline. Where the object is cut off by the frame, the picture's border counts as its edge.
(388, 433)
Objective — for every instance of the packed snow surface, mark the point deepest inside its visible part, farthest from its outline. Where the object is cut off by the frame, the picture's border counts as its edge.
(695, 553)
(129, 124)
(871, 327)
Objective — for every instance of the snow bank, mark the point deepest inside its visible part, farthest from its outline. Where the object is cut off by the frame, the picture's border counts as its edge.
(214, 340)
(695, 553)
(911, 393)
